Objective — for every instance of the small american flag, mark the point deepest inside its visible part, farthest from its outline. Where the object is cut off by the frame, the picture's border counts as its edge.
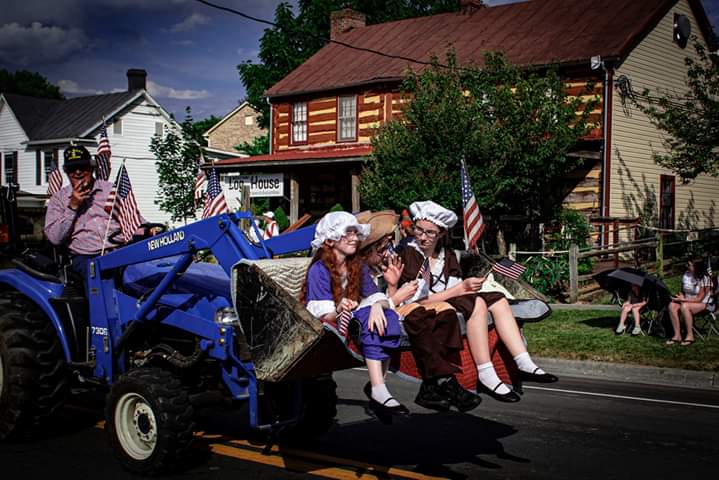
(343, 322)
(122, 205)
(508, 268)
(215, 203)
(199, 181)
(424, 272)
(102, 156)
(54, 182)
(473, 221)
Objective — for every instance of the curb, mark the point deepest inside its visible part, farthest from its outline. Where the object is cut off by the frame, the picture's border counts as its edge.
(582, 306)
(632, 373)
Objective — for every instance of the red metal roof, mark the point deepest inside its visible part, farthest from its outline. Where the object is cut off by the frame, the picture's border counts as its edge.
(537, 32)
(300, 155)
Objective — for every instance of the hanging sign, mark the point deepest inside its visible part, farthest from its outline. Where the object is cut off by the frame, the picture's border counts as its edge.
(261, 184)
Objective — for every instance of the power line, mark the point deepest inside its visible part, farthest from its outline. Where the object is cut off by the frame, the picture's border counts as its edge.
(319, 37)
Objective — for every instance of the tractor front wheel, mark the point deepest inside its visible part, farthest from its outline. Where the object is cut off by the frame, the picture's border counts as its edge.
(149, 420)
(33, 377)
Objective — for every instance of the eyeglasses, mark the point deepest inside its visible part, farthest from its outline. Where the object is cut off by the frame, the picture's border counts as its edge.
(350, 234)
(418, 232)
(81, 168)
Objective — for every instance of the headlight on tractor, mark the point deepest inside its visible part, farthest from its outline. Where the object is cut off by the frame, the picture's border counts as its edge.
(227, 316)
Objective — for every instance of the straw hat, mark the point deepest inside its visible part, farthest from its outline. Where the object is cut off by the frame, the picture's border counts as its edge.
(382, 223)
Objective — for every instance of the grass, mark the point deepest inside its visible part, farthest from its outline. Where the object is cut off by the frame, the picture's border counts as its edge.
(589, 335)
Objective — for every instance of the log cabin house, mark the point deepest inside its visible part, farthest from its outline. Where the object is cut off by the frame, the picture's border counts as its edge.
(325, 112)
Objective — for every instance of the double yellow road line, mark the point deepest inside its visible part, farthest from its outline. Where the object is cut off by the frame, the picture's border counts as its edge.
(308, 462)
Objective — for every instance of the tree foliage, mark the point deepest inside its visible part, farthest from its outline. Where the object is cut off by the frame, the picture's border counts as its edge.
(514, 128)
(177, 155)
(691, 120)
(297, 37)
(23, 82)
(259, 146)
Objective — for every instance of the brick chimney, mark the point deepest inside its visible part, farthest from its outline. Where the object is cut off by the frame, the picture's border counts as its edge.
(470, 6)
(136, 79)
(344, 20)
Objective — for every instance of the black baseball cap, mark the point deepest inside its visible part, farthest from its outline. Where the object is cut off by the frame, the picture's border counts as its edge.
(77, 156)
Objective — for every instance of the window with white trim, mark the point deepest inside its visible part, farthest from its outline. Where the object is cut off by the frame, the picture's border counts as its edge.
(249, 120)
(117, 126)
(9, 168)
(299, 122)
(159, 129)
(347, 118)
(48, 164)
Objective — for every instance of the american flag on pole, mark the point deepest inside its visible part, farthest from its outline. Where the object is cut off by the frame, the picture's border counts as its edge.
(103, 154)
(199, 183)
(424, 272)
(54, 182)
(509, 269)
(122, 205)
(215, 203)
(473, 221)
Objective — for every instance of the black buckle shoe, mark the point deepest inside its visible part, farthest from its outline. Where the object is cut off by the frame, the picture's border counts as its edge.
(538, 377)
(509, 397)
(383, 412)
(430, 397)
(461, 398)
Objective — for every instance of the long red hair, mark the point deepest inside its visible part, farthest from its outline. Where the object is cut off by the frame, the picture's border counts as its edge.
(354, 267)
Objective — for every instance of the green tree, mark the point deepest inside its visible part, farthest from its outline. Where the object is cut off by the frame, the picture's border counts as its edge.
(297, 37)
(177, 155)
(513, 127)
(23, 82)
(259, 146)
(201, 126)
(691, 120)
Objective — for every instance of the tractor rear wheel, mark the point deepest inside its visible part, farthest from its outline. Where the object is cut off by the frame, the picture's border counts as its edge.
(33, 374)
(150, 421)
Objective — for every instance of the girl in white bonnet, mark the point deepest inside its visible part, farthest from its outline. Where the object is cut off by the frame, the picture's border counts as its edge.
(443, 282)
(339, 286)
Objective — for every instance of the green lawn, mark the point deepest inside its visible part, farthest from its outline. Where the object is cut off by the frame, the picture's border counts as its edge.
(589, 335)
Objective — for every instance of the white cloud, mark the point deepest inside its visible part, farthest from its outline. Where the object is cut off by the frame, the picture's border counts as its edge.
(194, 20)
(71, 87)
(38, 43)
(183, 43)
(161, 91)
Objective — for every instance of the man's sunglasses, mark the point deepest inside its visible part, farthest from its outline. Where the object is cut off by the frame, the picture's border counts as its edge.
(81, 168)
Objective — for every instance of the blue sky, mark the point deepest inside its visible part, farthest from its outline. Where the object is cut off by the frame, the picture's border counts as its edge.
(189, 51)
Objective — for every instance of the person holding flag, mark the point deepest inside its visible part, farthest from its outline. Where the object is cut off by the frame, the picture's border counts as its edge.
(76, 216)
(445, 284)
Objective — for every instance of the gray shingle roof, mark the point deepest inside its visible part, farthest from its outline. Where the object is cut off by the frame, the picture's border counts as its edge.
(44, 119)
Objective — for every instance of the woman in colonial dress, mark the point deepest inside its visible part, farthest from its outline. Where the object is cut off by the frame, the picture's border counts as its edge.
(433, 330)
(429, 259)
(338, 288)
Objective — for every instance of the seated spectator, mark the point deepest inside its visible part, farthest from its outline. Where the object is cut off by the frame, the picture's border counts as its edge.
(634, 303)
(694, 299)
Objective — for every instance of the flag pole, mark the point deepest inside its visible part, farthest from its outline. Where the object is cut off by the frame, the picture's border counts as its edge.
(112, 209)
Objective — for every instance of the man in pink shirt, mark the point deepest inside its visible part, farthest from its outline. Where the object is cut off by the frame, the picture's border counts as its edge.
(76, 215)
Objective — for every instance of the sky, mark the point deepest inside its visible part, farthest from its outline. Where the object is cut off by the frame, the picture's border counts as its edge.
(190, 51)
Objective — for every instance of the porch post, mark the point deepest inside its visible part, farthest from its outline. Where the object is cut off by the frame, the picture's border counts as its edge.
(294, 198)
(355, 192)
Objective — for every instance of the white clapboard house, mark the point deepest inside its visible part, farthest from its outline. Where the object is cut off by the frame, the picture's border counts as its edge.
(34, 132)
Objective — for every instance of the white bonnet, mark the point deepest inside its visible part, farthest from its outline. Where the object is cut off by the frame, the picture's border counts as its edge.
(335, 224)
(433, 212)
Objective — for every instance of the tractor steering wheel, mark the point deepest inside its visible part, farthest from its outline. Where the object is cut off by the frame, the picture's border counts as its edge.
(116, 239)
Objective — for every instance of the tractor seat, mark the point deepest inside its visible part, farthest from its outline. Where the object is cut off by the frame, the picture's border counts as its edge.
(202, 279)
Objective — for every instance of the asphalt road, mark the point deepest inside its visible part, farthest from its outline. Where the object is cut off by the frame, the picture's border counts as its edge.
(573, 429)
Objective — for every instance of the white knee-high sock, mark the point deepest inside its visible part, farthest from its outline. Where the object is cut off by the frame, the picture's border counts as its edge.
(525, 364)
(381, 395)
(489, 378)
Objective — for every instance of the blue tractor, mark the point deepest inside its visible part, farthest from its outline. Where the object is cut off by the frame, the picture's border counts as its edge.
(162, 335)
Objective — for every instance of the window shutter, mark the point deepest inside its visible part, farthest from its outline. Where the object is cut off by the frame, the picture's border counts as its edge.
(38, 167)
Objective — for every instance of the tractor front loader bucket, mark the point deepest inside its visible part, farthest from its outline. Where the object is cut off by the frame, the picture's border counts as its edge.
(285, 340)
